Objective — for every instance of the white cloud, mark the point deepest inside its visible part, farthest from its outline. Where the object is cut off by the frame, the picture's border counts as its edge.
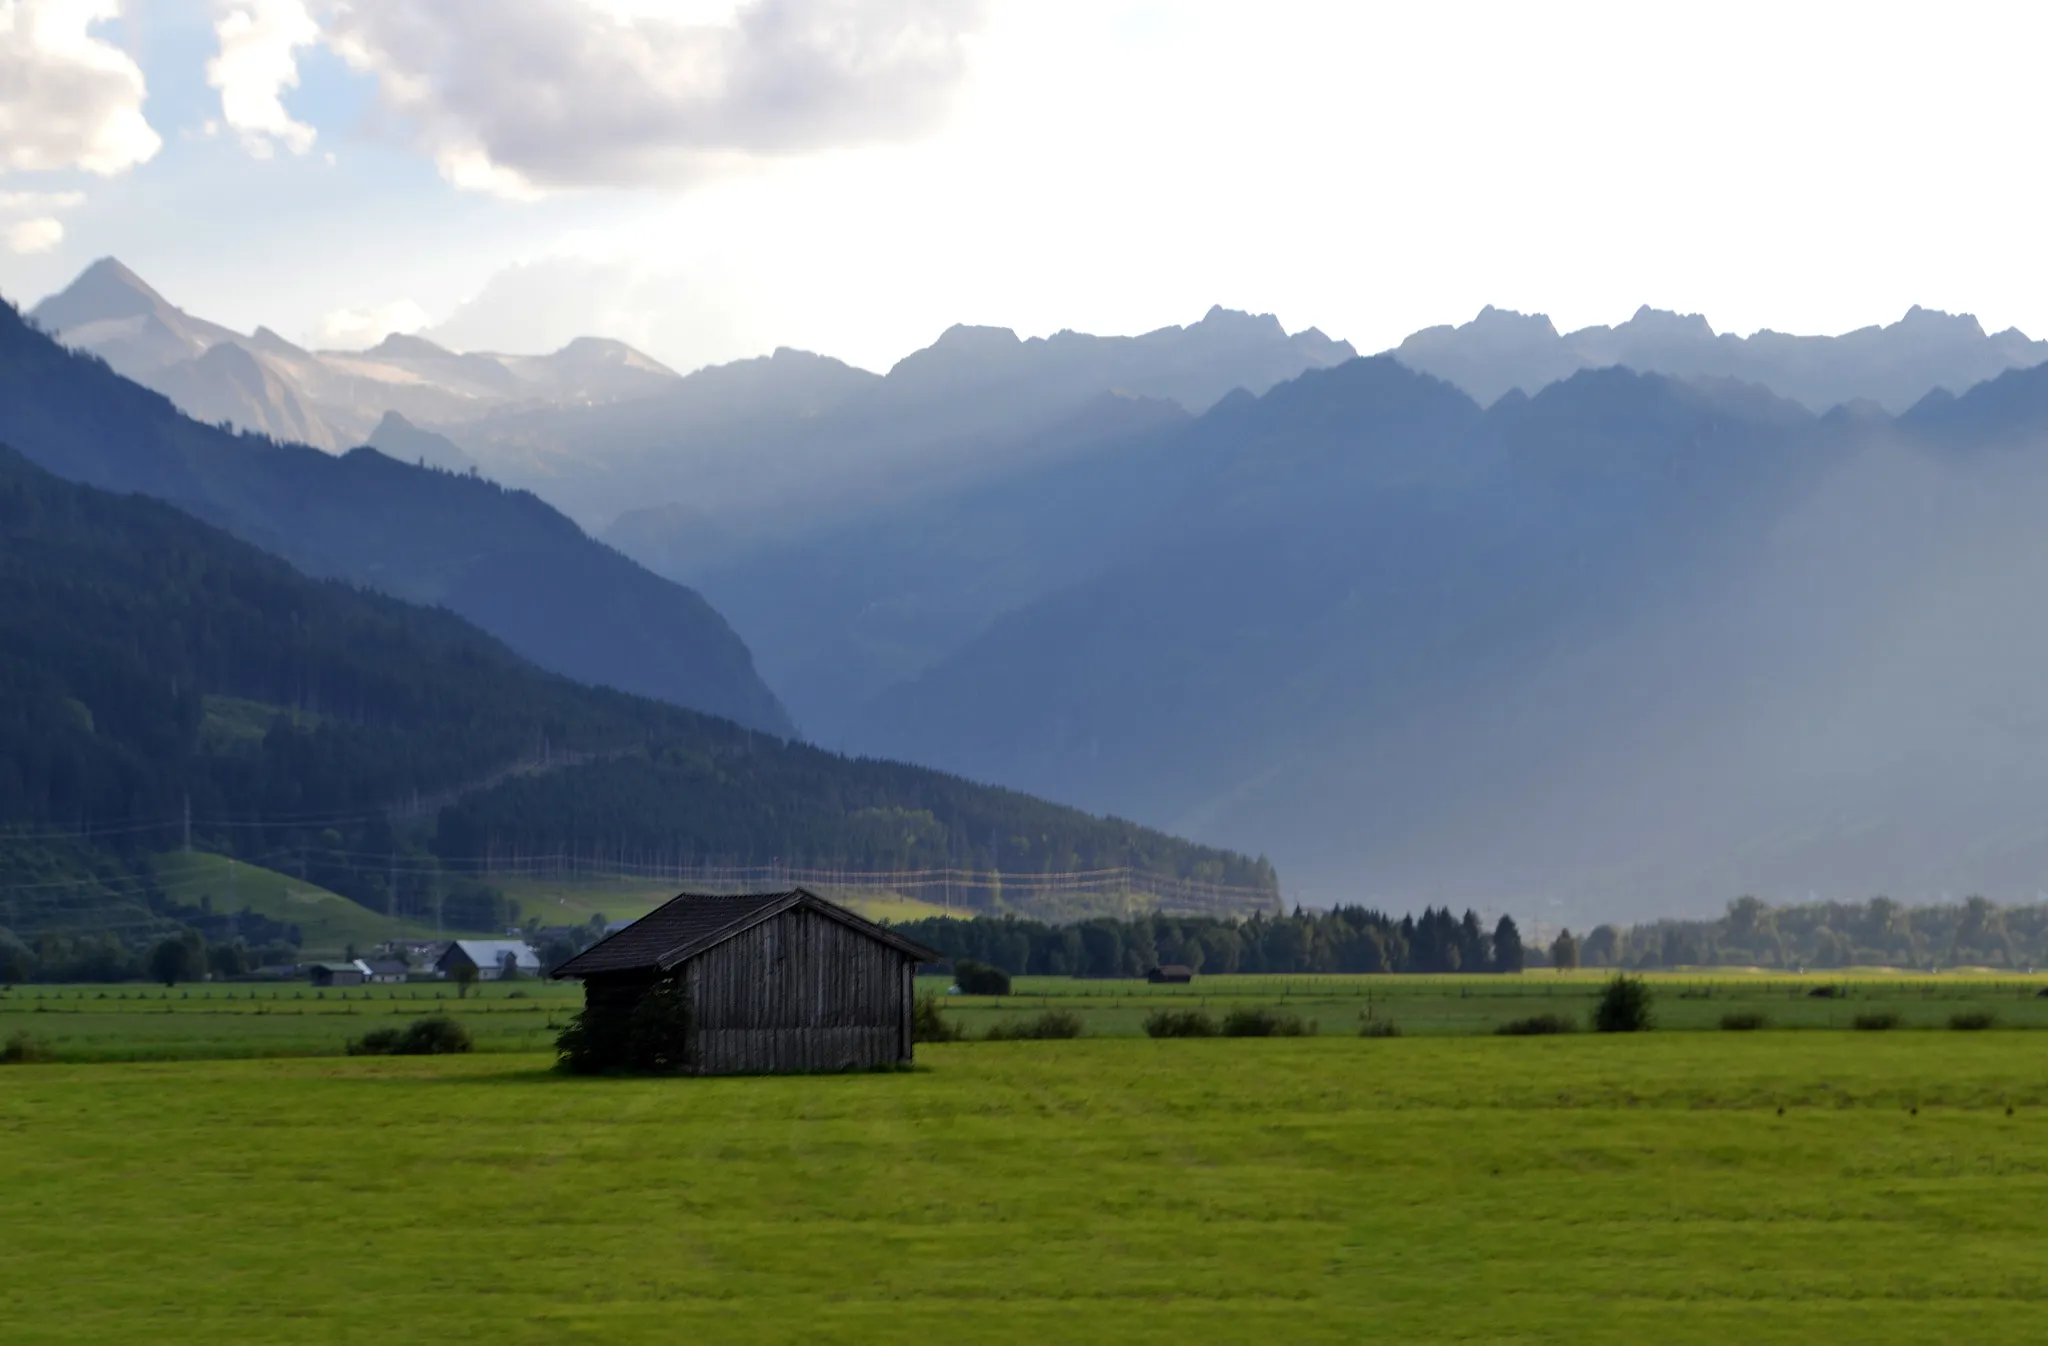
(68, 98)
(41, 234)
(360, 328)
(22, 203)
(519, 96)
(28, 220)
(257, 62)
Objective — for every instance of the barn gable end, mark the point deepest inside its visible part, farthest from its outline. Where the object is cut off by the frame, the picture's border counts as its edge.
(799, 991)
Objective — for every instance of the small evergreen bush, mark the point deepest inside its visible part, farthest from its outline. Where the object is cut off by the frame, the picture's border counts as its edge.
(1972, 1021)
(23, 1050)
(1537, 1025)
(1743, 1021)
(1380, 1028)
(979, 978)
(928, 1024)
(652, 1036)
(1179, 1024)
(1624, 1007)
(434, 1035)
(1877, 1021)
(1264, 1023)
(1051, 1024)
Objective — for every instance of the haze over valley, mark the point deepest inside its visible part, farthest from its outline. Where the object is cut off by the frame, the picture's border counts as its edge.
(1617, 621)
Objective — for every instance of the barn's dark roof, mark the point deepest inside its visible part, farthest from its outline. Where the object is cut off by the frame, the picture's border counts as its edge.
(689, 923)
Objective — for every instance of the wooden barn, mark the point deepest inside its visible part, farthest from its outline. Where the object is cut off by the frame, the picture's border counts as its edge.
(772, 981)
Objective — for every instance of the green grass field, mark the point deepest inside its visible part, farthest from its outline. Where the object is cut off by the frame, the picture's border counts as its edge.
(227, 1020)
(1585, 1189)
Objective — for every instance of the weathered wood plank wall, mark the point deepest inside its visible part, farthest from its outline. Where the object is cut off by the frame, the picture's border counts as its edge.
(799, 992)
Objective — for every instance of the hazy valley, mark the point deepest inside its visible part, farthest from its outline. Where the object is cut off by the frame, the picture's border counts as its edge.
(1502, 617)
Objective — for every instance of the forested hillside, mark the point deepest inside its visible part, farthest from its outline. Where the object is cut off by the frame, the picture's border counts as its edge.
(154, 669)
(503, 559)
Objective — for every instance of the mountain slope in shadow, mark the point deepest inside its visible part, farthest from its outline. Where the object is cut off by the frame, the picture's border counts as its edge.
(502, 558)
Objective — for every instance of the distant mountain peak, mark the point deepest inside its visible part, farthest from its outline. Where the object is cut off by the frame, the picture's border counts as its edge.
(1493, 321)
(404, 346)
(264, 339)
(106, 289)
(1664, 322)
(969, 336)
(1936, 322)
(112, 272)
(1221, 318)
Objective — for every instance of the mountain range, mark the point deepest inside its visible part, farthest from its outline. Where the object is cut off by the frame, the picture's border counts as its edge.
(1614, 622)
(328, 399)
(1891, 367)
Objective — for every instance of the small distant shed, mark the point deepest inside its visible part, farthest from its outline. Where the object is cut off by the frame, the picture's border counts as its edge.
(774, 982)
(337, 974)
(385, 969)
(489, 958)
(1167, 973)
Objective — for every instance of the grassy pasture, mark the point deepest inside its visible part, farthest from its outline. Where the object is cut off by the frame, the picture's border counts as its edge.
(327, 921)
(1478, 1004)
(230, 1020)
(572, 901)
(135, 1022)
(1581, 1189)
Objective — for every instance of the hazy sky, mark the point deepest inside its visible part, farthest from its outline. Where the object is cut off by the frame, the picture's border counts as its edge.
(710, 180)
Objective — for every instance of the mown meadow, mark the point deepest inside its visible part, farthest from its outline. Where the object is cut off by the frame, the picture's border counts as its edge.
(134, 1022)
(1670, 1187)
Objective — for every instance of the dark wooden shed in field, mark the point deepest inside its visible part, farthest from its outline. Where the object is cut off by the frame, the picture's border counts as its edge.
(1169, 973)
(773, 981)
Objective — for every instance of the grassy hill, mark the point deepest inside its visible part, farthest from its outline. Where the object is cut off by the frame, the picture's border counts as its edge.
(328, 922)
(573, 901)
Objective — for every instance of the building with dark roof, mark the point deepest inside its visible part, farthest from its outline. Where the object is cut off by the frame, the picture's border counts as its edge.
(772, 981)
(490, 957)
(1168, 973)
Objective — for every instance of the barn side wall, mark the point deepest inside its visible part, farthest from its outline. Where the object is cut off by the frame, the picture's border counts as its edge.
(797, 993)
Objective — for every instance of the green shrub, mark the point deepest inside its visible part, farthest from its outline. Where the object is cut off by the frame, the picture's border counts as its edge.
(979, 978)
(1624, 1007)
(1972, 1021)
(1379, 1028)
(1537, 1025)
(1051, 1024)
(651, 1035)
(434, 1035)
(1264, 1023)
(927, 1024)
(1825, 993)
(1179, 1024)
(23, 1050)
(376, 1042)
(1743, 1021)
(1876, 1021)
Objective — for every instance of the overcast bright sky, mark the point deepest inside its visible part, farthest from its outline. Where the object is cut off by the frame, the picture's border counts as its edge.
(710, 180)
